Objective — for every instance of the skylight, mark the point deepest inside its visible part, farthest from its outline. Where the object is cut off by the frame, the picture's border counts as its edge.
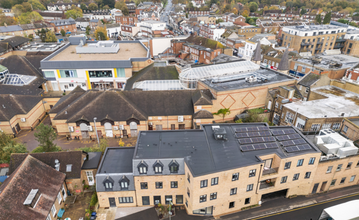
(18, 80)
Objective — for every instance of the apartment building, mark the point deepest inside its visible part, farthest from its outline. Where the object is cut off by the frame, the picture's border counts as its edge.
(41, 196)
(213, 32)
(52, 15)
(126, 20)
(313, 38)
(24, 29)
(249, 31)
(94, 65)
(194, 12)
(68, 25)
(207, 19)
(129, 31)
(201, 175)
(247, 51)
(350, 128)
(351, 44)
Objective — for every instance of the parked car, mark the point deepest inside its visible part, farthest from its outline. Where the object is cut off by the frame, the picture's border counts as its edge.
(83, 29)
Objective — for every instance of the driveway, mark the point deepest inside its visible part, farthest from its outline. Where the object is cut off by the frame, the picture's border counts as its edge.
(28, 138)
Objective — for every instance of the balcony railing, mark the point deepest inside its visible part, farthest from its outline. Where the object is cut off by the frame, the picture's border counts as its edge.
(266, 184)
(306, 43)
(267, 171)
(319, 42)
(340, 40)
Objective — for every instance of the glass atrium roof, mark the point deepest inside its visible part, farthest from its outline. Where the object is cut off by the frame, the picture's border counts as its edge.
(158, 85)
(216, 70)
(18, 80)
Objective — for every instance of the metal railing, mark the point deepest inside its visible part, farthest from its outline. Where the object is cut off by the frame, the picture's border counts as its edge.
(268, 171)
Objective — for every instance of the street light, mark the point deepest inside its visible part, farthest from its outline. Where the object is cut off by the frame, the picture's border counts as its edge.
(94, 121)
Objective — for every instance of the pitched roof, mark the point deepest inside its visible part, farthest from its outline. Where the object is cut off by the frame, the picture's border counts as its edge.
(309, 79)
(202, 114)
(202, 97)
(92, 161)
(204, 42)
(16, 41)
(257, 53)
(65, 158)
(31, 174)
(284, 62)
(12, 105)
(68, 99)
(4, 46)
(10, 28)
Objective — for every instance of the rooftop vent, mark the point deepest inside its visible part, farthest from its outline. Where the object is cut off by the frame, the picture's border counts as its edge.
(32, 198)
(219, 133)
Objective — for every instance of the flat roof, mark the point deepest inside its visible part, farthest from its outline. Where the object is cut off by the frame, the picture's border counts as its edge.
(314, 27)
(127, 51)
(338, 101)
(238, 81)
(204, 154)
(354, 121)
(346, 61)
(117, 160)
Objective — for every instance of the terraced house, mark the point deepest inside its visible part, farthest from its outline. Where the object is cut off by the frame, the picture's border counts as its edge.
(215, 170)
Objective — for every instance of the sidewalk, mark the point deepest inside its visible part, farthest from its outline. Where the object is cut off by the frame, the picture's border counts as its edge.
(283, 204)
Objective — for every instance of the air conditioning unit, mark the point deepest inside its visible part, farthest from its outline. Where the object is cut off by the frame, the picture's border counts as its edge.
(180, 118)
(122, 127)
(115, 128)
(71, 129)
(89, 128)
(23, 119)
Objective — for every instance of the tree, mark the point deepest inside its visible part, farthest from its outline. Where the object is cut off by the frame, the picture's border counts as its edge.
(29, 17)
(253, 7)
(6, 20)
(101, 33)
(27, 6)
(63, 32)
(6, 3)
(88, 29)
(74, 13)
(8, 145)
(318, 19)
(50, 37)
(344, 21)
(92, 7)
(219, 20)
(83, 6)
(353, 24)
(125, 10)
(245, 13)
(18, 10)
(303, 11)
(223, 112)
(110, 3)
(46, 136)
(273, 8)
(106, 7)
(36, 5)
(234, 11)
(327, 18)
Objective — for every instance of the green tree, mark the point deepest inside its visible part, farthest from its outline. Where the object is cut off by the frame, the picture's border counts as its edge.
(219, 20)
(36, 5)
(106, 7)
(318, 19)
(353, 24)
(253, 7)
(92, 7)
(344, 21)
(18, 10)
(223, 112)
(8, 145)
(30, 17)
(327, 18)
(83, 6)
(88, 29)
(27, 6)
(6, 3)
(45, 134)
(50, 37)
(303, 11)
(101, 33)
(63, 32)
(125, 10)
(74, 13)
(110, 3)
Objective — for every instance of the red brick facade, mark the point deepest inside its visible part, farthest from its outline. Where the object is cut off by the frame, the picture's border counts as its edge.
(126, 20)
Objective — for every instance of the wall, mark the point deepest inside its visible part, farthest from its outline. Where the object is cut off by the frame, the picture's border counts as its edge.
(57, 205)
(84, 176)
(16, 52)
(167, 121)
(158, 45)
(353, 130)
(139, 65)
(103, 198)
(352, 87)
(353, 50)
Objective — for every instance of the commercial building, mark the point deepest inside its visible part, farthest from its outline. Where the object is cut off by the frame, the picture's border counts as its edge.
(216, 170)
(147, 28)
(313, 38)
(94, 65)
(213, 32)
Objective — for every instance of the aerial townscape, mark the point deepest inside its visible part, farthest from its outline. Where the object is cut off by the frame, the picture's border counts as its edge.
(179, 109)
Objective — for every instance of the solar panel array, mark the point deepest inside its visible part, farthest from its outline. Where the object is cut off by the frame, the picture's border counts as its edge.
(251, 129)
(293, 142)
(283, 131)
(253, 134)
(298, 148)
(288, 137)
(262, 146)
(256, 140)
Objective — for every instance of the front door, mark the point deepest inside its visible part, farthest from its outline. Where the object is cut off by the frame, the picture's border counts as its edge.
(17, 126)
(85, 134)
(324, 184)
(90, 178)
(157, 199)
(133, 133)
(112, 202)
(109, 133)
(64, 194)
(315, 188)
(108, 129)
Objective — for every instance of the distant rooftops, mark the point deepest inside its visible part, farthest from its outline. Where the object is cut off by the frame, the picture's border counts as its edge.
(331, 61)
(314, 27)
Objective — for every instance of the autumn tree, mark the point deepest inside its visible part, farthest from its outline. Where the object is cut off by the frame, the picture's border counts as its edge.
(30, 17)
(101, 33)
(92, 7)
(245, 13)
(36, 5)
(74, 13)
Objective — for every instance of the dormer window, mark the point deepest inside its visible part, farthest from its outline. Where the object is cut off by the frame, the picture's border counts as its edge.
(158, 167)
(124, 183)
(142, 167)
(69, 168)
(173, 166)
(108, 183)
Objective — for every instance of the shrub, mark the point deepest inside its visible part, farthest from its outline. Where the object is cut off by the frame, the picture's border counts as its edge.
(94, 199)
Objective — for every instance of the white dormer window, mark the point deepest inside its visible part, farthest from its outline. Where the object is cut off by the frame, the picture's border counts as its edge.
(69, 168)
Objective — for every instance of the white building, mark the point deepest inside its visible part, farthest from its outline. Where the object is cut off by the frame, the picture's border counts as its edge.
(314, 30)
(247, 51)
(113, 31)
(147, 27)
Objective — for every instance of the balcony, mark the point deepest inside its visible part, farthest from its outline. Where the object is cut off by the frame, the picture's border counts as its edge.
(319, 42)
(306, 43)
(268, 171)
(338, 46)
(269, 183)
(340, 40)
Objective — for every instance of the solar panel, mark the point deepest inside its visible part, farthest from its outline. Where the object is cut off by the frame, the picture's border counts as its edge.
(265, 133)
(256, 140)
(263, 128)
(277, 132)
(292, 149)
(240, 130)
(294, 136)
(299, 141)
(259, 146)
(241, 135)
(288, 143)
(251, 129)
(245, 148)
(282, 138)
(304, 147)
(271, 145)
(288, 131)
(245, 141)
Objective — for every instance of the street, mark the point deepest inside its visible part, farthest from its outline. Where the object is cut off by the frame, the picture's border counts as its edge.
(166, 11)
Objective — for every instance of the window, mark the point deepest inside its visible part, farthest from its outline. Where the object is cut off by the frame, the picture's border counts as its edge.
(68, 73)
(53, 210)
(83, 84)
(125, 199)
(49, 74)
(247, 201)
(342, 180)
(108, 183)
(358, 164)
(69, 168)
(204, 183)
(71, 85)
(289, 117)
(307, 89)
(349, 165)
(233, 191)
(333, 182)
(235, 176)
(124, 182)
(336, 126)
(214, 181)
(307, 175)
(144, 185)
(188, 193)
(284, 179)
(345, 129)
(179, 199)
(252, 173)
(300, 162)
(48, 217)
(145, 200)
(103, 73)
(287, 165)
(231, 205)
(168, 199)
(329, 170)
(159, 185)
(59, 198)
(339, 167)
(352, 178)
(121, 72)
(157, 167)
(296, 176)
(202, 198)
(249, 187)
(174, 184)
(213, 196)
(142, 167)
(188, 178)
(315, 127)
(311, 161)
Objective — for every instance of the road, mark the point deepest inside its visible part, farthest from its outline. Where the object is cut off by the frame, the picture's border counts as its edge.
(308, 212)
(166, 11)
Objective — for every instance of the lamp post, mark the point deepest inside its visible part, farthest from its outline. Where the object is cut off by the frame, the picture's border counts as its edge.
(94, 121)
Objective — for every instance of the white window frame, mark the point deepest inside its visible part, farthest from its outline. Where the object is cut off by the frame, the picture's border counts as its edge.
(69, 168)
(52, 210)
(336, 126)
(352, 178)
(59, 198)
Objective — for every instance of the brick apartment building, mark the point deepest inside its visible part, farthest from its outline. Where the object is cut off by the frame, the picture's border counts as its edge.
(194, 12)
(126, 20)
(68, 25)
